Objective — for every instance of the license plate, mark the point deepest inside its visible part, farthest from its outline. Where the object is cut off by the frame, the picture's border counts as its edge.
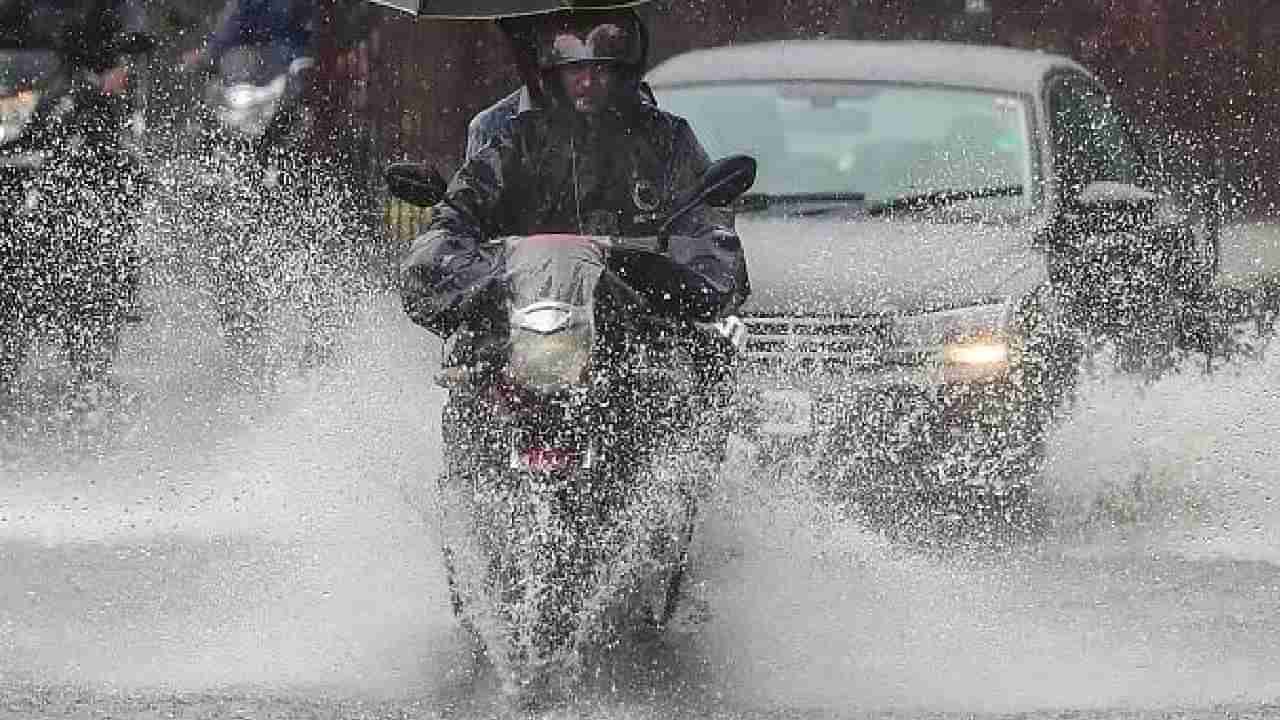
(786, 412)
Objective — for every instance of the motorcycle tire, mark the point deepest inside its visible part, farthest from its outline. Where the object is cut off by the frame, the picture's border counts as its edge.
(675, 585)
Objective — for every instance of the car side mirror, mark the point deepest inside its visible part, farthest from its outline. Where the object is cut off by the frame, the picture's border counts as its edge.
(1100, 207)
(415, 183)
(1108, 206)
(1104, 196)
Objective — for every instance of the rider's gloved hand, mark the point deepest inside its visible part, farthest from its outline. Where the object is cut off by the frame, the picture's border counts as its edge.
(696, 279)
(710, 273)
(442, 281)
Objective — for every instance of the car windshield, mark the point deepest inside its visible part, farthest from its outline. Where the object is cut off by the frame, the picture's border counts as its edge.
(23, 69)
(884, 142)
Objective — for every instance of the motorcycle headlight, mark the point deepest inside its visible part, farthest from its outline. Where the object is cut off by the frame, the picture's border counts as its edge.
(550, 347)
(15, 112)
(251, 120)
(966, 344)
(239, 97)
(248, 109)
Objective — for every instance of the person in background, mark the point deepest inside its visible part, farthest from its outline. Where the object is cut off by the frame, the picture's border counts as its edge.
(286, 25)
(89, 32)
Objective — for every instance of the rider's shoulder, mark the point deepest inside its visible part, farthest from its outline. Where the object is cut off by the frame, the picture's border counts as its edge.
(660, 118)
(497, 116)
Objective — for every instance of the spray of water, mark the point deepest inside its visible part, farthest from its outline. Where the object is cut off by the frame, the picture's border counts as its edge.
(1155, 493)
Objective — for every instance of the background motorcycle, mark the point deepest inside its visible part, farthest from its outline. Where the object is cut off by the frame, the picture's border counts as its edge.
(253, 108)
(247, 147)
(572, 446)
(69, 189)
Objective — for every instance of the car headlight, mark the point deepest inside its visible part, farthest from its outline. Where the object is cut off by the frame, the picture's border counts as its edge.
(965, 344)
(15, 112)
(984, 357)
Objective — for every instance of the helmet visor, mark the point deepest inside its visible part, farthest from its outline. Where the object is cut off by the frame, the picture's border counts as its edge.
(581, 40)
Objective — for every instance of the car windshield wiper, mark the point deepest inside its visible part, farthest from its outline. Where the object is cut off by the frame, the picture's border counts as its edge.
(800, 203)
(939, 198)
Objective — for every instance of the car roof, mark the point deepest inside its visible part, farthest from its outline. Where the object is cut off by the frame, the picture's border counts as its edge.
(982, 67)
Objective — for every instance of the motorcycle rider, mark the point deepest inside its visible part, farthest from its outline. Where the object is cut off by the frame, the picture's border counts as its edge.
(324, 41)
(592, 157)
(76, 277)
(88, 32)
(285, 25)
(578, 166)
(283, 29)
(498, 118)
(308, 151)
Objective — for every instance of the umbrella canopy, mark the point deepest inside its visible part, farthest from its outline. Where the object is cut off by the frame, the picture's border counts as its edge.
(492, 9)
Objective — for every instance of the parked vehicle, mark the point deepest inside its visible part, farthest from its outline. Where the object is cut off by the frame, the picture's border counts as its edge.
(69, 191)
(572, 425)
(938, 234)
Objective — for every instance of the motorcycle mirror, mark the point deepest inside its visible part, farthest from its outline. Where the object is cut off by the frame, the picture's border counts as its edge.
(722, 183)
(415, 183)
(728, 179)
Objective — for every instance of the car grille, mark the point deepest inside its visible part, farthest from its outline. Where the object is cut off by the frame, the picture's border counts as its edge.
(848, 341)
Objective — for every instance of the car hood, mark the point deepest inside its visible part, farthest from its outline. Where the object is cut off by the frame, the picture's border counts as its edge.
(806, 266)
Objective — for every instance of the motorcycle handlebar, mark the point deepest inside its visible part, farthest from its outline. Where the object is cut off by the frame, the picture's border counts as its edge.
(649, 243)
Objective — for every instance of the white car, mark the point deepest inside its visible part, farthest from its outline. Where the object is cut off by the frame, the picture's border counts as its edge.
(935, 231)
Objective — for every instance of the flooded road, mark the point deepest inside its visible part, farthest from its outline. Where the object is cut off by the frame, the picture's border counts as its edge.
(232, 551)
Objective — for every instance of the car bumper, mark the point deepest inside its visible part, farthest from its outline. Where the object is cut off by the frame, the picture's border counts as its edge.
(797, 403)
(912, 422)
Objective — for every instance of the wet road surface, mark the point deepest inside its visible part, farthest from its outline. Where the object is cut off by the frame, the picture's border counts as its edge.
(211, 548)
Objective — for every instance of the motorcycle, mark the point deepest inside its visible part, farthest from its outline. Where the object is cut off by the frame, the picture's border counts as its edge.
(253, 108)
(247, 145)
(69, 189)
(576, 446)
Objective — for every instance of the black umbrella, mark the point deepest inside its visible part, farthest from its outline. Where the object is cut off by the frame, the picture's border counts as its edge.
(491, 9)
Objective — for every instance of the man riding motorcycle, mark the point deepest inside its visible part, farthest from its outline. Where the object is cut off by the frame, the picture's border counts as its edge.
(272, 141)
(591, 159)
(263, 51)
(558, 170)
(69, 186)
